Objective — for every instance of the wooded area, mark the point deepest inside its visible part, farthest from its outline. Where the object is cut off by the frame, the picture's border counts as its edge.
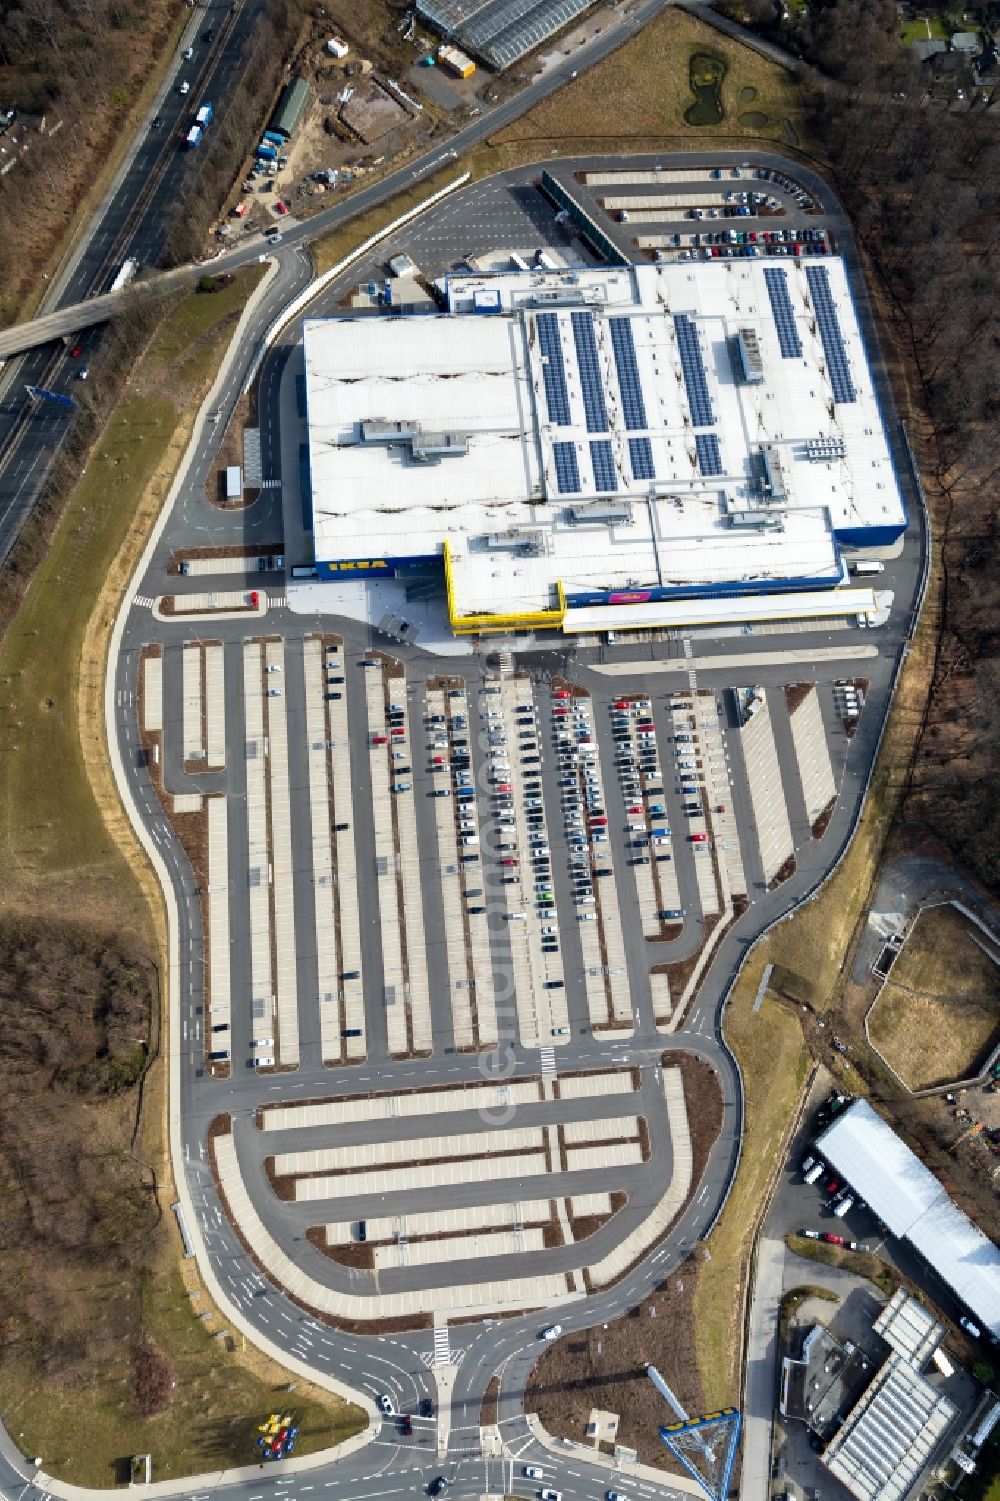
(78, 1020)
(75, 67)
(920, 181)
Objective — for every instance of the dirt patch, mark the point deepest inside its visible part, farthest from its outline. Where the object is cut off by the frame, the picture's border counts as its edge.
(169, 606)
(371, 112)
(822, 823)
(489, 1412)
(355, 1254)
(939, 1012)
(782, 874)
(796, 694)
(605, 1368)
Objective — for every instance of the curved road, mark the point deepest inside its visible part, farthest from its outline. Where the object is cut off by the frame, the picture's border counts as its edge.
(389, 1466)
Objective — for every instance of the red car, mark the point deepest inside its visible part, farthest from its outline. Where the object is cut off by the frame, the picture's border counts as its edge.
(698, 838)
(379, 740)
(280, 207)
(76, 351)
(509, 861)
(505, 787)
(720, 807)
(600, 820)
(561, 693)
(620, 703)
(833, 1240)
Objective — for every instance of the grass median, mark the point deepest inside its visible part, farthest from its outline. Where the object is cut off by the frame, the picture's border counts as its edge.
(91, 1259)
(775, 1062)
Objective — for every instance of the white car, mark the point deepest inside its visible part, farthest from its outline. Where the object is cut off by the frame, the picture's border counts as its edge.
(185, 88)
(551, 1331)
(532, 1472)
(547, 1494)
(385, 1402)
(187, 54)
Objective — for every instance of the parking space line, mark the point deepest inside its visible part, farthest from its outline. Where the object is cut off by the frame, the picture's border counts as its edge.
(282, 892)
(219, 998)
(193, 734)
(812, 752)
(327, 958)
(215, 705)
(258, 858)
(760, 757)
(346, 892)
(385, 866)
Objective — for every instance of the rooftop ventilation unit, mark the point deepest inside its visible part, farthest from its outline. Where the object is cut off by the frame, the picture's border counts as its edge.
(770, 473)
(818, 449)
(529, 544)
(619, 514)
(756, 521)
(425, 448)
(746, 356)
(381, 430)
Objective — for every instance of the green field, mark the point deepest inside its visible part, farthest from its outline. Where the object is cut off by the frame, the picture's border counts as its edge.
(65, 849)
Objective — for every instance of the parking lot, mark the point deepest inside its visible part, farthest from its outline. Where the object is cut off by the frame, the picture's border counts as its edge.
(676, 213)
(399, 863)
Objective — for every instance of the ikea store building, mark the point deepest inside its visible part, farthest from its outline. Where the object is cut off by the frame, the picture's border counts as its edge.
(608, 449)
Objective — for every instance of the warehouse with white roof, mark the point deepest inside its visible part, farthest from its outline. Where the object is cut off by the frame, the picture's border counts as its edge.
(912, 1204)
(585, 440)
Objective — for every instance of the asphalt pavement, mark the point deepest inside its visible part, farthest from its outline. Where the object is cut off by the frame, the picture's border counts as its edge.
(401, 1364)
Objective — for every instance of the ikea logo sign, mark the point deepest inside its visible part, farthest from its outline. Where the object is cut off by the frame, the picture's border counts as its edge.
(357, 565)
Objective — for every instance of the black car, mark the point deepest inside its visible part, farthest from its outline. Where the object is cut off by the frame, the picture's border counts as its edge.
(439, 1486)
(426, 1407)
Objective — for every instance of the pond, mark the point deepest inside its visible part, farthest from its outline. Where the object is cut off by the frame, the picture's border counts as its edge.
(705, 75)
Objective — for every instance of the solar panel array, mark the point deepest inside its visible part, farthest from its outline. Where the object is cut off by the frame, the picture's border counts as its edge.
(603, 460)
(501, 31)
(553, 369)
(567, 469)
(784, 318)
(591, 381)
(709, 457)
(640, 451)
(829, 331)
(633, 406)
(693, 367)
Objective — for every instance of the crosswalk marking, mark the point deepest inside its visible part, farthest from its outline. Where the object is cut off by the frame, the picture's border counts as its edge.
(548, 1056)
(442, 1346)
(146, 600)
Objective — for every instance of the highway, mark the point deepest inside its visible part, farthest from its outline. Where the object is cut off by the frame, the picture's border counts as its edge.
(132, 220)
(30, 434)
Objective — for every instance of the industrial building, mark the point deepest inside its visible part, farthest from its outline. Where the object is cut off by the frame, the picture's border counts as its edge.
(608, 449)
(500, 31)
(901, 1425)
(913, 1206)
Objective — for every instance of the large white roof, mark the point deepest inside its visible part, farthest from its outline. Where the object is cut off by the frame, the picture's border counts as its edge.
(597, 384)
(892, 1435)
(907, 1197)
